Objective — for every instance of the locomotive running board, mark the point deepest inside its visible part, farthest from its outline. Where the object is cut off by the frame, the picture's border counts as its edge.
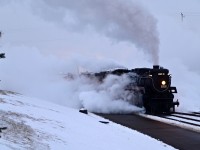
(173, 89)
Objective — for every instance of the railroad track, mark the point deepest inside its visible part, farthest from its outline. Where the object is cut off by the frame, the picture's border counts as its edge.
(192, 118)
(159, 128)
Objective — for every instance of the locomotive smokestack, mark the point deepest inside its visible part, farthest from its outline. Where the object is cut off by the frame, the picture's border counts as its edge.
(156, 67)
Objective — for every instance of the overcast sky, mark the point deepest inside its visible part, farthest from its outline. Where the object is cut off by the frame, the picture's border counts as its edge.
(39, 25)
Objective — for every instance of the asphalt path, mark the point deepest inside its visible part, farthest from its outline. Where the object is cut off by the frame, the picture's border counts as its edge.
(177, 137)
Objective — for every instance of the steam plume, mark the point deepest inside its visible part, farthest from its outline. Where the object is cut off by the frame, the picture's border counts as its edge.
(118, 19)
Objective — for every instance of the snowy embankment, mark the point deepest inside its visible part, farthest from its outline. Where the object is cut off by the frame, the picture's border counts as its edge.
(37, 124)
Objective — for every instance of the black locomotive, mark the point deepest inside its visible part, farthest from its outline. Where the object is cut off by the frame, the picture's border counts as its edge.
(151, 86)
(157, 93)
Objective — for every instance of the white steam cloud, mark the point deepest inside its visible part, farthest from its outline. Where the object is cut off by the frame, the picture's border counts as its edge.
(27, 71)
(109, 96)
(118, 19)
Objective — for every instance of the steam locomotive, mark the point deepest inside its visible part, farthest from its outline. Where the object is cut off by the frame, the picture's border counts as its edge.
(151, 86)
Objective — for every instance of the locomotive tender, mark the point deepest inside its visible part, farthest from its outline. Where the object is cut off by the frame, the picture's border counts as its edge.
(151, 85)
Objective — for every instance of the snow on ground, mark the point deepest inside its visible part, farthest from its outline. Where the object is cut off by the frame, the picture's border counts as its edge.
(37, 124)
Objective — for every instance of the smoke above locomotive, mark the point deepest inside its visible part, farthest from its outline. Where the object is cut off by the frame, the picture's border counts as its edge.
(121, 21)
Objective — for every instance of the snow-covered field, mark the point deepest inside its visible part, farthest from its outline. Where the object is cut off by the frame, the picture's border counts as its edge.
(40, 125)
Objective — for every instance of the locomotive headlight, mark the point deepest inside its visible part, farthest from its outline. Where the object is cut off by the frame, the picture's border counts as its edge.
(163, 82)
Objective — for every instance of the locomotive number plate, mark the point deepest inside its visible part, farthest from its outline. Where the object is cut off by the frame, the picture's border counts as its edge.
(163, 86)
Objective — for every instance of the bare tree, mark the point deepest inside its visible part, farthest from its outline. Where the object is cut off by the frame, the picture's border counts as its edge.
(2, 55)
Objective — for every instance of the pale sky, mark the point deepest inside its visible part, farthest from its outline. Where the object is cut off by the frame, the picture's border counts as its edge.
(24, 24)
